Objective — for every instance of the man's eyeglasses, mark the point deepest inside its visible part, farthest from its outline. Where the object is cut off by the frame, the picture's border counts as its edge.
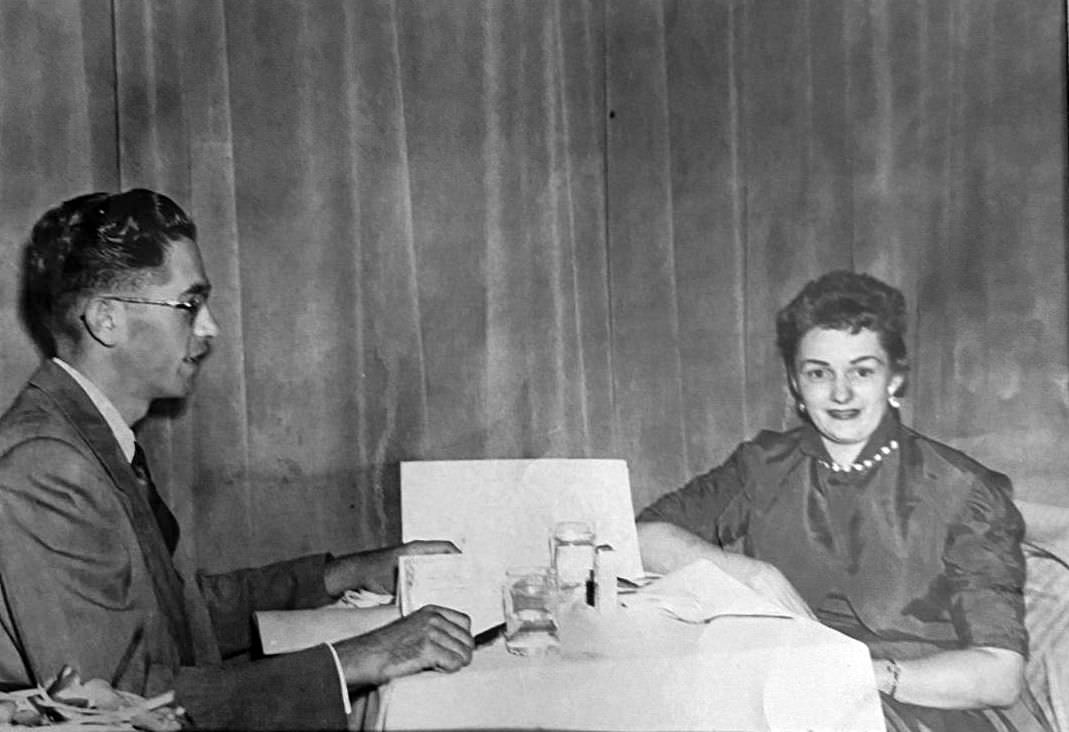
(191, 307)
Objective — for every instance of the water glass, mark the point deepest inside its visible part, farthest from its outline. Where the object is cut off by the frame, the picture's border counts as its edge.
(573, 554)
(530, 599)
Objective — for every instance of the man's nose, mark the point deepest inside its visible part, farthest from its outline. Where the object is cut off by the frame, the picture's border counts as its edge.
(205, 325)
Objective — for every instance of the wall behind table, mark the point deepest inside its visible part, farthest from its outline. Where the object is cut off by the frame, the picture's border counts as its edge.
(484, 229)
(57, 137)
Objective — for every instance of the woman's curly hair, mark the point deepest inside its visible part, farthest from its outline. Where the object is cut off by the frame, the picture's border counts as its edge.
(850, 301)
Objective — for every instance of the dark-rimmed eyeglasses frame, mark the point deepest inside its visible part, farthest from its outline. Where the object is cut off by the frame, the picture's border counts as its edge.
(191, 308)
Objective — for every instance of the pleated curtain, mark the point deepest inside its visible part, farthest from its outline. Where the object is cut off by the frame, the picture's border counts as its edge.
(560, 228)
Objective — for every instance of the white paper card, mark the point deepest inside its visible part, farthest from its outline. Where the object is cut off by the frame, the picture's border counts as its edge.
(286, 631)
(449, 580)
(501, 513)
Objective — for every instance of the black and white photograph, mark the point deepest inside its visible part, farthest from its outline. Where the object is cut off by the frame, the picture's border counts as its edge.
(587, 365)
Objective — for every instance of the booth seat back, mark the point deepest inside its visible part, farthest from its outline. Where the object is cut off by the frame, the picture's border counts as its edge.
(1037, 461)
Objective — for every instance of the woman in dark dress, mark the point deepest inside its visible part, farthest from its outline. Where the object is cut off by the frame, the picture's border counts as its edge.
(890, 537)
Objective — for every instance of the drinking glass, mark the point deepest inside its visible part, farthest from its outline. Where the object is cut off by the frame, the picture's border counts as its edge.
(530, 599)
(573, 554)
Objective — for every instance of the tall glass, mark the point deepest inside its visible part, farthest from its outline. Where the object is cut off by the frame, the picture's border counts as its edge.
(573, 554)
(530, 600)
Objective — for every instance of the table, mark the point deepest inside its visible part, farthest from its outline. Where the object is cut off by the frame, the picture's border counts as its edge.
(638, 669)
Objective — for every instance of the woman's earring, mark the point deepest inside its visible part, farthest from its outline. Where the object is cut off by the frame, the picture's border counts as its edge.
(893, 400)
(801, 406)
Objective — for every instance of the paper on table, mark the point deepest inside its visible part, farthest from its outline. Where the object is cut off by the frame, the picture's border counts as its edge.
(286, 631)
(449, 580)
(502, 512)
(701, 591)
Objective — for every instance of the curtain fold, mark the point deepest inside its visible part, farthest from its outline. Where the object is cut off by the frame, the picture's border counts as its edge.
(57, 135)
(557, 228)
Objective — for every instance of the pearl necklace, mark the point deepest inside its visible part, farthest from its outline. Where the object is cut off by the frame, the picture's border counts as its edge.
(864, 464)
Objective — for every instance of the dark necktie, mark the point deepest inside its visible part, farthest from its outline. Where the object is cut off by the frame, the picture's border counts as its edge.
(164, 518)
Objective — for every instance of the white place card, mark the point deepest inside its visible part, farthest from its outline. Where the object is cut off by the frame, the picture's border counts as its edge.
(449, 580)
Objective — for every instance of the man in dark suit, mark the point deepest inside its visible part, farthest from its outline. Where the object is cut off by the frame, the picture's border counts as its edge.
(86, 571)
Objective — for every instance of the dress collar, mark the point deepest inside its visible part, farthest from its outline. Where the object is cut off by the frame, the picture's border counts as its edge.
(884, 440)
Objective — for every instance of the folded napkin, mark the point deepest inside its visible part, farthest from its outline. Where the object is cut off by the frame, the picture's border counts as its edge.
(362, 599)
(701, 591)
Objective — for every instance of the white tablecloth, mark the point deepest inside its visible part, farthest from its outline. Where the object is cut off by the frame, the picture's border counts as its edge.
(641, 670)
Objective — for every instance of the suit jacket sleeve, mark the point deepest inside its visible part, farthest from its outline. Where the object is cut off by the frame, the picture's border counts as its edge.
(233, 597)
(294, 691)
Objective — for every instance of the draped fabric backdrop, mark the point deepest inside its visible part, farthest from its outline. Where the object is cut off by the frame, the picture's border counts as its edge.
(482, 228)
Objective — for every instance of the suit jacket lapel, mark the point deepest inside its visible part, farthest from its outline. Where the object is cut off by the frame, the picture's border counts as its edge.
(79, 410)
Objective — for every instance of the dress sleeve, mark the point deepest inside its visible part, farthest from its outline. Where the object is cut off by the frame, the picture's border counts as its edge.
(985, 568)
(714, 506)
(233, 597)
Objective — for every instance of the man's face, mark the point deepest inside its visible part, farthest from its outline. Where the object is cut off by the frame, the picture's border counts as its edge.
(165, 346)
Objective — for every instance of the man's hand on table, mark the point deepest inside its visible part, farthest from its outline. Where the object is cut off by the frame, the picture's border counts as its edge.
(376, 570)
(431, 638)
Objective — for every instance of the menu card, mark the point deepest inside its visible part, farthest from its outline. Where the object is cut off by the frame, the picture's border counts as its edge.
(701, 591)
(286, 631)
(501, 513)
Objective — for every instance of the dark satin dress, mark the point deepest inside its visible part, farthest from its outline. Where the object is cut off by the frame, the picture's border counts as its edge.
(915, 552)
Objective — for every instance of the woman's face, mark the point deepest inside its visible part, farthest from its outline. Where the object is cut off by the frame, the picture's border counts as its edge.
(844, 379)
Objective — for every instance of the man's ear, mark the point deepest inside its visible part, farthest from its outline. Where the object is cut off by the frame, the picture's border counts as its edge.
(104, 320)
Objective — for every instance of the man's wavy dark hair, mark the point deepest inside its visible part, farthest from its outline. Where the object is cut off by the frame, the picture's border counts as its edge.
(97, 242)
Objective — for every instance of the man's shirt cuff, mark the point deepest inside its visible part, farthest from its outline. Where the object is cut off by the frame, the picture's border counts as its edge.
(341, 680)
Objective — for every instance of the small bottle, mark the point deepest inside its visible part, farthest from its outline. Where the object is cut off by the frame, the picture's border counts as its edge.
(605, 597)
